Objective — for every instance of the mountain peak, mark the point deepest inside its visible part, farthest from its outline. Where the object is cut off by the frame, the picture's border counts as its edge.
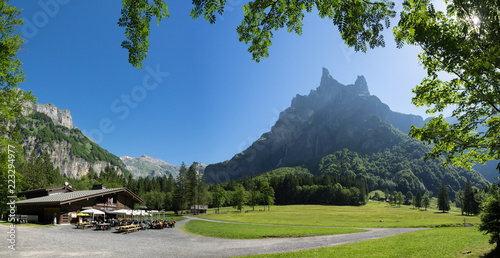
(331, 117)
(326, 75)
(362, 86)
(58, 116)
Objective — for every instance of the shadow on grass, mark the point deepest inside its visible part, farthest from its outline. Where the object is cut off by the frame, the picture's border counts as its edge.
(494, 253)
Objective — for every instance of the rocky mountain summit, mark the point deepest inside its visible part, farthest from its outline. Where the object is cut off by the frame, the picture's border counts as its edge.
(335, 118)
(58, 116)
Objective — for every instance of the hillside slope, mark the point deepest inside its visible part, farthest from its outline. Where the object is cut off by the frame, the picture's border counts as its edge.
(69, 149)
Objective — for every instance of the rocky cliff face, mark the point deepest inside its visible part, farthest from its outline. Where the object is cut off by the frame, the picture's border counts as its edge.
(330, 118)
(68, 148)
(59, 117)
(69, 165)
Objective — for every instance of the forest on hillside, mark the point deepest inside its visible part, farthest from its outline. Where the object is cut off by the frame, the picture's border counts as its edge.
(40, 126)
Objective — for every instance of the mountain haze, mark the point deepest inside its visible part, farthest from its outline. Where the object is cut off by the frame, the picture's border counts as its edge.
(145, 166)
(345, 121)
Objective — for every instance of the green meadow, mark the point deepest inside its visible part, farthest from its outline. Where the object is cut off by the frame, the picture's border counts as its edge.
(252, 231)
(436, 242)
(372, 215)
(447, 237)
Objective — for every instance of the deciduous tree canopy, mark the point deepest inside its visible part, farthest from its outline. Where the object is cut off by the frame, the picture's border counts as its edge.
(464, 43)
(360, 23)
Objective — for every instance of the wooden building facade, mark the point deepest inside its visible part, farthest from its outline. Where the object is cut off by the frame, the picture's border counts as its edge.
(60, 207)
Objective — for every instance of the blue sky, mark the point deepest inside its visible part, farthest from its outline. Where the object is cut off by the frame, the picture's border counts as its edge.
(199, 96)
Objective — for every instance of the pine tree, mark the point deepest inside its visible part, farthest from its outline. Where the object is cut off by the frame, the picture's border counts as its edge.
(443, 198)
(490, 222)
(192, 183)
(418, 200)
(202, 192)
(409, 197)
(179, 195)
(468, 199)
(426, 202)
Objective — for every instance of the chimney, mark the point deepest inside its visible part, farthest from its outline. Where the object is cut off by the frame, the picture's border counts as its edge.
(98, 187)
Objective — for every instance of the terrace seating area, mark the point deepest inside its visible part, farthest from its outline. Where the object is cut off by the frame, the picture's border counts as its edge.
(83, 225)
(128, 225)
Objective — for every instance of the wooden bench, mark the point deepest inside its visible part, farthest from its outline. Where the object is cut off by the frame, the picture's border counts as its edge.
(83, 225)
(128, 228)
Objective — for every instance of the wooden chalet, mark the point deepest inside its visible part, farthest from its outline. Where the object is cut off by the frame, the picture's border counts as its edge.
(60, 205)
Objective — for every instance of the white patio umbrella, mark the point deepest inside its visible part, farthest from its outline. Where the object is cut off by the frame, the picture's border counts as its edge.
(93, 212)
(123, 212)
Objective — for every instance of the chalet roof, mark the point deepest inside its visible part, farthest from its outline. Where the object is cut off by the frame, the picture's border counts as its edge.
(69, 197)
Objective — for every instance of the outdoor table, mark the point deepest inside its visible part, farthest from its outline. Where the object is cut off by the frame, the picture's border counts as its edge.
(128, 228)
(103, 226)
(83, 225)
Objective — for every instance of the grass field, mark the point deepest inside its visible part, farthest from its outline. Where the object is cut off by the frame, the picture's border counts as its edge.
(372, 215)
(250, 231)
(437, 242)
(440, 241)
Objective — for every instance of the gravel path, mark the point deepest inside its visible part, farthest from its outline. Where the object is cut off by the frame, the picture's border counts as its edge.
(67, 241)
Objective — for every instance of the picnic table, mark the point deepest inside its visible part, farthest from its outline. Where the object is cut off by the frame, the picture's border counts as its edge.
(128, 228)
(103, 226)
(83, 225)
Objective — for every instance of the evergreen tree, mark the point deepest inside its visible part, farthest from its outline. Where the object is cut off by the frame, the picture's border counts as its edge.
(30, 171)
(92, 174)
(409, 197)
(468, 199)
(192, 184)
(202, 192)
(443, 198)
(180, 192)
(490, 217)
(426, 202)
(170, 183)
(459, 201)
(418, 200)
(131, 184)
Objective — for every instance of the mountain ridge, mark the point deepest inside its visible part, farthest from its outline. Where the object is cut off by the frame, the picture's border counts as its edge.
(332, 102)
(331, 118)
(147, 166)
